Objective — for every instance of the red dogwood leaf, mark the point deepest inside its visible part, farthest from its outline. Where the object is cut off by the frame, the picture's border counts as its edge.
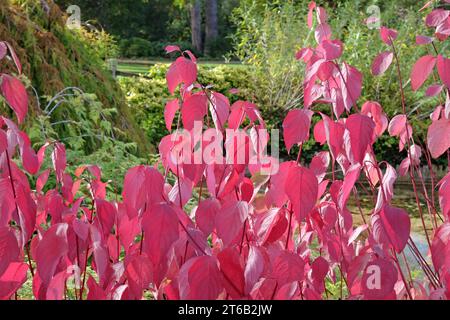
(200, 279)
(50, 250)
(443, 66)
(296, 127)
(382, 62)
(361, 135)
(9, 248)
(438, 137)
(421, 71)
(169, 112)
(12, 279)
(388, 35)
(302, 189)
(397, 226)
(194, 109)
(15, 94)
(230, 221)
(378, 279)
(181, 71)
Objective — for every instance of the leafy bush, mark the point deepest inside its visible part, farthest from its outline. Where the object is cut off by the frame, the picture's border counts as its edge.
(236, 228)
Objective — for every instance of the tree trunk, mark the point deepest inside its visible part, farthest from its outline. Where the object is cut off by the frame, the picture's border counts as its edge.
(196, 26)
(212, 28)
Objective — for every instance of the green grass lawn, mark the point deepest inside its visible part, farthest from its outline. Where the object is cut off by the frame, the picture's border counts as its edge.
(142, 66)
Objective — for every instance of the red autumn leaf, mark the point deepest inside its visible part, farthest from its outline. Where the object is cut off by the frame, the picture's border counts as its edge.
(232, 272)
(160, 226)
(219, 106)
(9, 248)
(172, 48)
(397, 226)
(388, 35)
(205, 215)
(421, 71)
(13, 279)
(230, 221)
(382, 62)
(296, 127)
(436, 17)
(302, 189)
(443, 66)
(143, 186)
(181, 71)
(194, 109)
(15, 94)
(51, 249)
(169, 112)
(440, 248)
(361, 130)
(59, 160)
(287, 267)
(139, 274)
(378, 279)
(438, 137)
(200, 279)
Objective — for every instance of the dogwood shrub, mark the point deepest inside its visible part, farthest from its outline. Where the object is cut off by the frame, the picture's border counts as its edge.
(254, 230)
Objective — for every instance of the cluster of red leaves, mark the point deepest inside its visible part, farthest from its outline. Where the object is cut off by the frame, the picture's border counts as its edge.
(279, 236)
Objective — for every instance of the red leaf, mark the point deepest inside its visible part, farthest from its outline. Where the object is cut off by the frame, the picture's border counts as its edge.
(181, 71)
(160, 226)
(169, 112)
(230, 221)
(421, 71)
(219, 107)
(194, 109)
(139, 275)
(361, 130)
(200, 279)
(444, 195)
(378, 279)
(172, 48)
(331, 49)
(232, 271)
(351, 176)
(287, 267)
(423, 40)
(440, 248)
(205, 215)
(382, 62)
(434, 90)
(16, 95)
(296, 127)
(12, 279)
(9, 248)
(438, 137)
(322, 33)
(436, 17)
(397, 125)
(388, 35)
(397, 226)
(50, 250)
(443, 66)
(143, 186)
(302, 189)
(59, 160)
